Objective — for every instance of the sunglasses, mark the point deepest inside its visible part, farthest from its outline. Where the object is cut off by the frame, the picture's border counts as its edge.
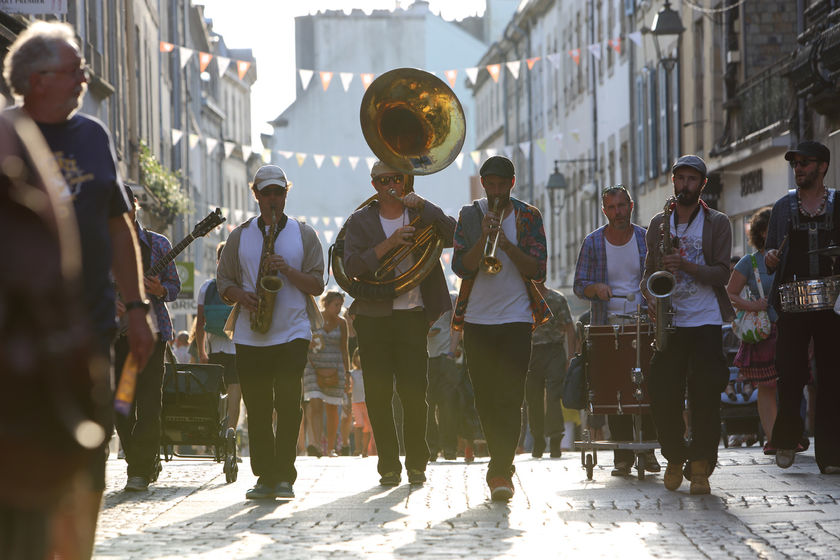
(388, 179)
(794, 163)
(273, 191)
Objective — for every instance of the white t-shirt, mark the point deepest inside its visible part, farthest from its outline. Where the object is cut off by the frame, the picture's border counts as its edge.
(500, 298)
(412, 298)
(623, 275)
(358, 386)
(695, 303)
(290, 320)
(213, 342)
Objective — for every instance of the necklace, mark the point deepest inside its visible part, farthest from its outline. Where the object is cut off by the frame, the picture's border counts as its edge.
(820, 209)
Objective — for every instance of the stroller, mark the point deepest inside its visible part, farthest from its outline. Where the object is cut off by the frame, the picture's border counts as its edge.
(195, 413)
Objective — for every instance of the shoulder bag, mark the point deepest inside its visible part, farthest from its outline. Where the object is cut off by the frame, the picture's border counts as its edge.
(752, 326)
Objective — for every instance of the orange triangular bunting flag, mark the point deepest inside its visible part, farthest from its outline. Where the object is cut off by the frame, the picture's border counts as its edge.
(204, 60)
(451, 77)
(166, 47)
(326, 78)
(242, 67)
(367, 79)
(531, 62)
(495, 70)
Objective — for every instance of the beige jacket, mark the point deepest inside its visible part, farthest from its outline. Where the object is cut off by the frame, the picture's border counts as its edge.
(229, 270)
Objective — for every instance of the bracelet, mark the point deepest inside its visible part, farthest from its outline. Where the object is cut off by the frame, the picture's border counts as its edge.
(137, 303)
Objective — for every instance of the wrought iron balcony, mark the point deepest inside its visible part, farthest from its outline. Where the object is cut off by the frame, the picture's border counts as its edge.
(763, 100)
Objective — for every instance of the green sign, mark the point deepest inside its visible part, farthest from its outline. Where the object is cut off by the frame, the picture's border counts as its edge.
(186, 272)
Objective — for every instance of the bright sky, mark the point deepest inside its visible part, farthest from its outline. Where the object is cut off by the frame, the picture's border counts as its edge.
(268, 27)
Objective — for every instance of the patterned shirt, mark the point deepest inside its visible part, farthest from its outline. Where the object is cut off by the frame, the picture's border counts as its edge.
(159, 246)
(554, 331)
(530, 239)
(592, 268)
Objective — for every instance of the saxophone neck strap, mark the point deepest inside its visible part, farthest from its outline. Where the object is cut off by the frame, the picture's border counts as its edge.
(262, 225)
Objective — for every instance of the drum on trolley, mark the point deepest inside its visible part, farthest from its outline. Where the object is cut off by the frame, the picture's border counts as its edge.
(616, 363)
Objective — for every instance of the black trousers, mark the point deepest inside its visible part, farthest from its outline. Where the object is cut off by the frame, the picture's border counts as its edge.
(694, 358)
(393, 351)
(544, 391)
(270, 378)
(139, 431)
(795, 331)
(497, 361)
(443, 398)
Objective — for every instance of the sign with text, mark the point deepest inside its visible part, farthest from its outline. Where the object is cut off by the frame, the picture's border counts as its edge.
(34, 7)
(186, 272)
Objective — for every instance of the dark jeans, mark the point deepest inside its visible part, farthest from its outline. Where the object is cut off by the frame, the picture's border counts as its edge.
(139, 431)
(444, 381)
(621, 429)
(270, 378)
(497, 361)
(694, 357)
(393, 349)
(544, 391)
(228, 361)
(795, 333)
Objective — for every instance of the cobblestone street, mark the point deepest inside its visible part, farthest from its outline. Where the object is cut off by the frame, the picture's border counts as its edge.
(755, 511)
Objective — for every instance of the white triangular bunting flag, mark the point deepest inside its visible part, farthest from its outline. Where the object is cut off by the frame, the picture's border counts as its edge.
(313, 221)
(346, 78)
(301, 157)
(222, 63)
(490, 152)
(185, 54)
(211, 144)
(636, 37)
(459, 160)
(246, 152)
(370, 161)
(176, 136)
(194, 138)
(476, 156)
(354, 161)
(305, 77)
(525, 147)
(266, 155)
(229, 146)
(339, 220)
(554, 59)
(595, 49)
(319, 159)
(559, 137)
(514, 66)
(508, 151)
(328, 235)
(336, 160)
(472, 73)
(286, 154)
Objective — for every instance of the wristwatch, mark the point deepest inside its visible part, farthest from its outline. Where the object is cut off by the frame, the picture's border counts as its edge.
(138, 303)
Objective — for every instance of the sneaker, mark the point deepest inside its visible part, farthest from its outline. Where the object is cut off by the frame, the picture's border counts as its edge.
(261, 491)
(283, 490)
(785, 457)
(501, 489)
(831, 469)
(621, 469)
(769, 449)
(390, 479)
(651, 464)
(416, 476)
(137, 484)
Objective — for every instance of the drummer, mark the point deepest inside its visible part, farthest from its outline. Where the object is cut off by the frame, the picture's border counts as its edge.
(804, 220)
(608, 271)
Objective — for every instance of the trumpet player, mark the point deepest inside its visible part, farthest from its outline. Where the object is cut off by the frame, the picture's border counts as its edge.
(392, 333)
(701, 239)
(270, 364)
(500, 252)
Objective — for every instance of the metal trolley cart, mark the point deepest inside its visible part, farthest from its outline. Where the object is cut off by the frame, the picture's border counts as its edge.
(195, 413)
(616, 360)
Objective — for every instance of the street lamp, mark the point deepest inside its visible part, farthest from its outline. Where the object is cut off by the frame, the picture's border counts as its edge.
(666, 27)
(556, 183)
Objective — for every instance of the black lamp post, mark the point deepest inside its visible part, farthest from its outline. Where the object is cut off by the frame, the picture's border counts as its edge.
(556, 183)
(666, 26)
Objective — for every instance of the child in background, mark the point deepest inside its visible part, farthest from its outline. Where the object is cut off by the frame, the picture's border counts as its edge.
(181, 347)
(363, 434)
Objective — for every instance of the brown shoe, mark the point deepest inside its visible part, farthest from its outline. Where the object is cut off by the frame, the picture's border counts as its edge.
(699, 478)
(673, 475)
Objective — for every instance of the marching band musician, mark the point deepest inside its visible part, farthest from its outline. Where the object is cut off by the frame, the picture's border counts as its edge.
(270, 364)
(702, 238)
(801, 221)
(609, 268)
(392, 334)
(498, 310)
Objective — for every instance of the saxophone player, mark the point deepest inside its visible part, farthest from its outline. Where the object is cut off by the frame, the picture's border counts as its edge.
(693, 358)
(270, 363)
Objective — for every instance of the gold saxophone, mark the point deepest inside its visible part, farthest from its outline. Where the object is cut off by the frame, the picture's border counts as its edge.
(661, 284)
(268, 283)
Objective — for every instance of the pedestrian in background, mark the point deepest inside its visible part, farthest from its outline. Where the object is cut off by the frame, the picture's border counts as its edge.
(181, 347)
(363, 433)
(442, 394)
(45, 68)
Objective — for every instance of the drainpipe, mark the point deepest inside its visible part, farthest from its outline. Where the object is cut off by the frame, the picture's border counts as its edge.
(594, 168)
(527, 37)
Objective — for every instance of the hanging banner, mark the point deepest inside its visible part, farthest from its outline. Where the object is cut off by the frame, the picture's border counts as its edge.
(451, 77)
(367, 79)
(595, 50)
(185, 54)
(346, 78)
(490, 152)
(554, 59)
(354, 160)
(541, 144)
(286, 154)
(211, 144)
(525, 147)
(513, 66)
(166, 47)
(194, 138)
(575, 54)
(636, 37)
(204, 60)
(301, 157)
(336, 160)
(229, 146)
(615, 44)
(459, 160)
(326, 78)
(242, 67)
(370, 161)
(472, 73)
(305, 77)
(176, 136)
(495, 70)
(222, 64)
(319, 159)
(531, 62)
(476, 157)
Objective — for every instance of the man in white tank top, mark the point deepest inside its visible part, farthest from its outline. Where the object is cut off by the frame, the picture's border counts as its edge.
(498, 307)
(693, 354)
(607, 273)
(270, 364)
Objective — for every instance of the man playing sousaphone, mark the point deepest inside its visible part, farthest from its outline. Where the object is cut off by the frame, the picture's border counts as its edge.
(804, 291)
(392, 332)
(271, 332)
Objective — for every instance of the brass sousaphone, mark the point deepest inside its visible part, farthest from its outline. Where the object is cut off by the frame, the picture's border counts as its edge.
(414, 123)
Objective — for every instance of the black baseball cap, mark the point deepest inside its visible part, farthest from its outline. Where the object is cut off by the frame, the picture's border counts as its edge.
(694, 162)
(810, 149)
(497, 165)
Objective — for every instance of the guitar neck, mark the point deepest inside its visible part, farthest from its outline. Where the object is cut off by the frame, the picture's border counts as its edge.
(156, 269)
